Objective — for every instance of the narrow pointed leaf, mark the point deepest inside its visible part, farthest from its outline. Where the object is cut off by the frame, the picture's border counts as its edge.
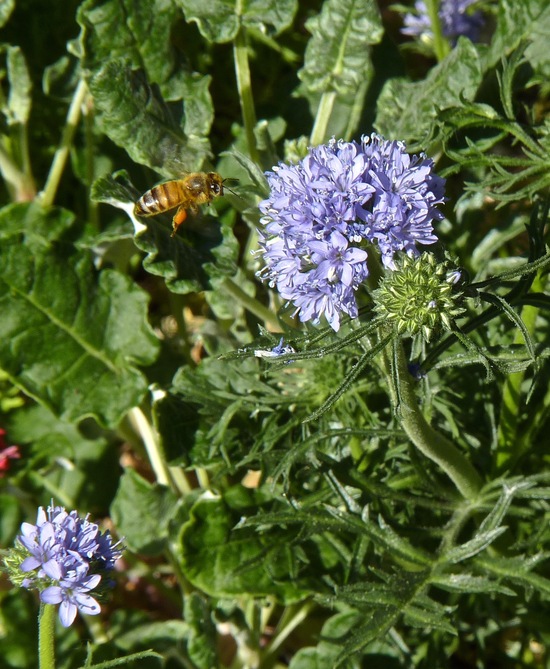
(474, 546)
(468, 583)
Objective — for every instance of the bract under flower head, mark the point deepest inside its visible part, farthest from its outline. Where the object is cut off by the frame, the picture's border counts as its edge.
(323, 212)
(66, 556)
(455, 19)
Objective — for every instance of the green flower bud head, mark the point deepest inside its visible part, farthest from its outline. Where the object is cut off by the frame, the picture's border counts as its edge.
(420, 296)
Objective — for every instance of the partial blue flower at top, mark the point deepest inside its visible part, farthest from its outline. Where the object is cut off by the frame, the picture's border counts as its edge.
(323, 211)
(455, 19)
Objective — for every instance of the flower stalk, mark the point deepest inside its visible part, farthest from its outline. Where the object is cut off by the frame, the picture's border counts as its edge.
(428, 441)
(244, 86)
(46, 636)
(47, 196)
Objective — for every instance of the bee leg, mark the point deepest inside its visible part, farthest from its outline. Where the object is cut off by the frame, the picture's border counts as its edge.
(179, 218)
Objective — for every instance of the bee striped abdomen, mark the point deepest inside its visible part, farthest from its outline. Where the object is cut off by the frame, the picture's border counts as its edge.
(160, 198)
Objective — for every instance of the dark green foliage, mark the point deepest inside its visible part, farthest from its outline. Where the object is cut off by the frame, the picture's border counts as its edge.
(276, 511)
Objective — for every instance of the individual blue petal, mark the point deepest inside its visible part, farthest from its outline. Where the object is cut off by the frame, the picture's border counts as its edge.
(67, 613)
(52, 595)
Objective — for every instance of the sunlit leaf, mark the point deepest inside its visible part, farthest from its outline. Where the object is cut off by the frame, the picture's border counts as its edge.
(219, 20)
(406, 110)
(139, 121)
(337, 57)
(74, 335)
(133, 30)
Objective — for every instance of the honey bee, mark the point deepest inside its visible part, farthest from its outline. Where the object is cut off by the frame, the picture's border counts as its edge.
(186, 194)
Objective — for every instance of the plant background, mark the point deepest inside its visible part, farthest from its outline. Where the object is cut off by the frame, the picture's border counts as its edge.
(256, 537)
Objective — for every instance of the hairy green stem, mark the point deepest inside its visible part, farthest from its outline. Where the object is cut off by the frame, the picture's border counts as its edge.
(428, 441)
(251, 304)
(244, 86)
(441, 46)
(46, 636)
(47, 196)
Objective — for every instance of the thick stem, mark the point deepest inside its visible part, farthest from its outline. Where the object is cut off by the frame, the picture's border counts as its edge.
(244, 86)
(441, 46)
(60, 158)
(46, 636)
(428, 441)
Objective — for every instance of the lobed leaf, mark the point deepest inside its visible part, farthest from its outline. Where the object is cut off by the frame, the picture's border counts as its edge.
(142, 513)
(224, 561)
(517, 20)
(406, 110)
(138, 120)
(474, 546)
(337, 57)
(219, 20)
(73, 336)
(132, 30)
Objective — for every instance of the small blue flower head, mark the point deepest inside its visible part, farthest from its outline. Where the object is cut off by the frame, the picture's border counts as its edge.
(455, 19)
(325, 211)
(276, 351)
(64, 557)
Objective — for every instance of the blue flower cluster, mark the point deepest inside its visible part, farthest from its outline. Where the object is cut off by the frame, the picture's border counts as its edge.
(455, 20)
(66, 554)
(323, 212)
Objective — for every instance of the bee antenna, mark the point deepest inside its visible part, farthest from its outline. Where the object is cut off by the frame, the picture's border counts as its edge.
(233, 181)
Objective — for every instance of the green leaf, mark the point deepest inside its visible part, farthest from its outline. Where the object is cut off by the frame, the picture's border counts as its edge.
(73, 335)
(337, 57)
(201, 643)
(10, 518)
(6, 8)
(186, 260)
(325, 654)
(518, 570)
(198, 105)
(142, 513)
(219, 20)
(468, 584)
(225, 561)
(133, 30)
(86, 471)
(115, 189)
(407, 110)
(436, 619)
(138, 120)
(479, 543)
(18, 105)
(517, 20)
(537, 51)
